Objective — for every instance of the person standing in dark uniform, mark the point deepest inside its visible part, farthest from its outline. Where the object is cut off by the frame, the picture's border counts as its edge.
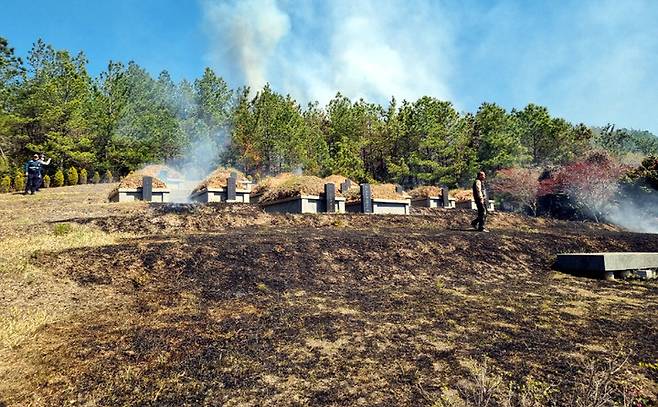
(33, 174)
(481, 199)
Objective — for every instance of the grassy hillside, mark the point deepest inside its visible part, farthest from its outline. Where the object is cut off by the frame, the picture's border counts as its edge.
(131, 304)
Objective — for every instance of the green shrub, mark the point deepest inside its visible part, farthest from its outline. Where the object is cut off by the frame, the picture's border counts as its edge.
(83, 176)
(19, 181)
(4, 166)
(58, 180)
(97, 178)
(62, 229)
(108, 176)
(5, 184)
(72, 176)
(46, 181)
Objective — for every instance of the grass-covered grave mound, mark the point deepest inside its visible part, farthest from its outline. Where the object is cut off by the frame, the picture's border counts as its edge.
(219, 177)
(379, 191)
(271, 182)
(295, 185)
(426, 191)
(461, 195)
(135, 180)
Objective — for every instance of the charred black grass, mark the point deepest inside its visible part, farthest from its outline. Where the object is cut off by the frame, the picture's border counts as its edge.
(287, 314)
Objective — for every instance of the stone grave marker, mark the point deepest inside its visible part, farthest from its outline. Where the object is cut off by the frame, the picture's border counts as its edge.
(330, 197)
(366, 198)
(231, 186)
(147, 189)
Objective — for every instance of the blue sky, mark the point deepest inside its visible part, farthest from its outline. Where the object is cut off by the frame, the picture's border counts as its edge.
(157, 34)
(588, 61)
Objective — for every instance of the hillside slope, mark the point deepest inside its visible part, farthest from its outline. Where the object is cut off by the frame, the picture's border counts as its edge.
(226, 305)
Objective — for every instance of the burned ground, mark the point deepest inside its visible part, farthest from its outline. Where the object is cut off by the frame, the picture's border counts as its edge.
(227, 305)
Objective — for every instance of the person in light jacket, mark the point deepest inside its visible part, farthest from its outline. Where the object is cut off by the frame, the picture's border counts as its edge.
(481, 199)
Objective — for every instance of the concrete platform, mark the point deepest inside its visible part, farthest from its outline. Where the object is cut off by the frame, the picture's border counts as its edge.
(606, 264)
(219, 195)
(135, 194)
(383, 206)
(303, 204)
(430, 202)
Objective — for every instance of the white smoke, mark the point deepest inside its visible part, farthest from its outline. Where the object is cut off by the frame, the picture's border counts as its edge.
(197, 162)
(201, 157)
(636, 214)
(245, 34)
(369, 49)
(609, 202)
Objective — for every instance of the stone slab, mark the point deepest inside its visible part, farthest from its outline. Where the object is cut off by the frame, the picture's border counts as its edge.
(382, 207)
(303, 204)
(134, 194)
(606, 262)
(431, 202)
(220, 195)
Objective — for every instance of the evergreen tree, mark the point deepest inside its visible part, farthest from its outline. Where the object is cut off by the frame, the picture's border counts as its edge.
(497, 139)
(437, 143)
(12, 74)
(348, 125)
(56, 97)
(269, 133)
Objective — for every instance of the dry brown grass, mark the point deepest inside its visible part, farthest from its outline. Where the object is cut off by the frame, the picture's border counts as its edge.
(18, 324)
(270, 182)
(338, 179)
(218, 179)
(425, 192)
(135, 180)
(379, 191)
(461, 195)
(16, 250)
(294, 186)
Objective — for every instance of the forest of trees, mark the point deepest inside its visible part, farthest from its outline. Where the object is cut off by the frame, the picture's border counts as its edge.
(124, 118)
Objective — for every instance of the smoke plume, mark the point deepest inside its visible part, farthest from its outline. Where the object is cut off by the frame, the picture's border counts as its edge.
(635, 214)
(245, 34)
(370, 49)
